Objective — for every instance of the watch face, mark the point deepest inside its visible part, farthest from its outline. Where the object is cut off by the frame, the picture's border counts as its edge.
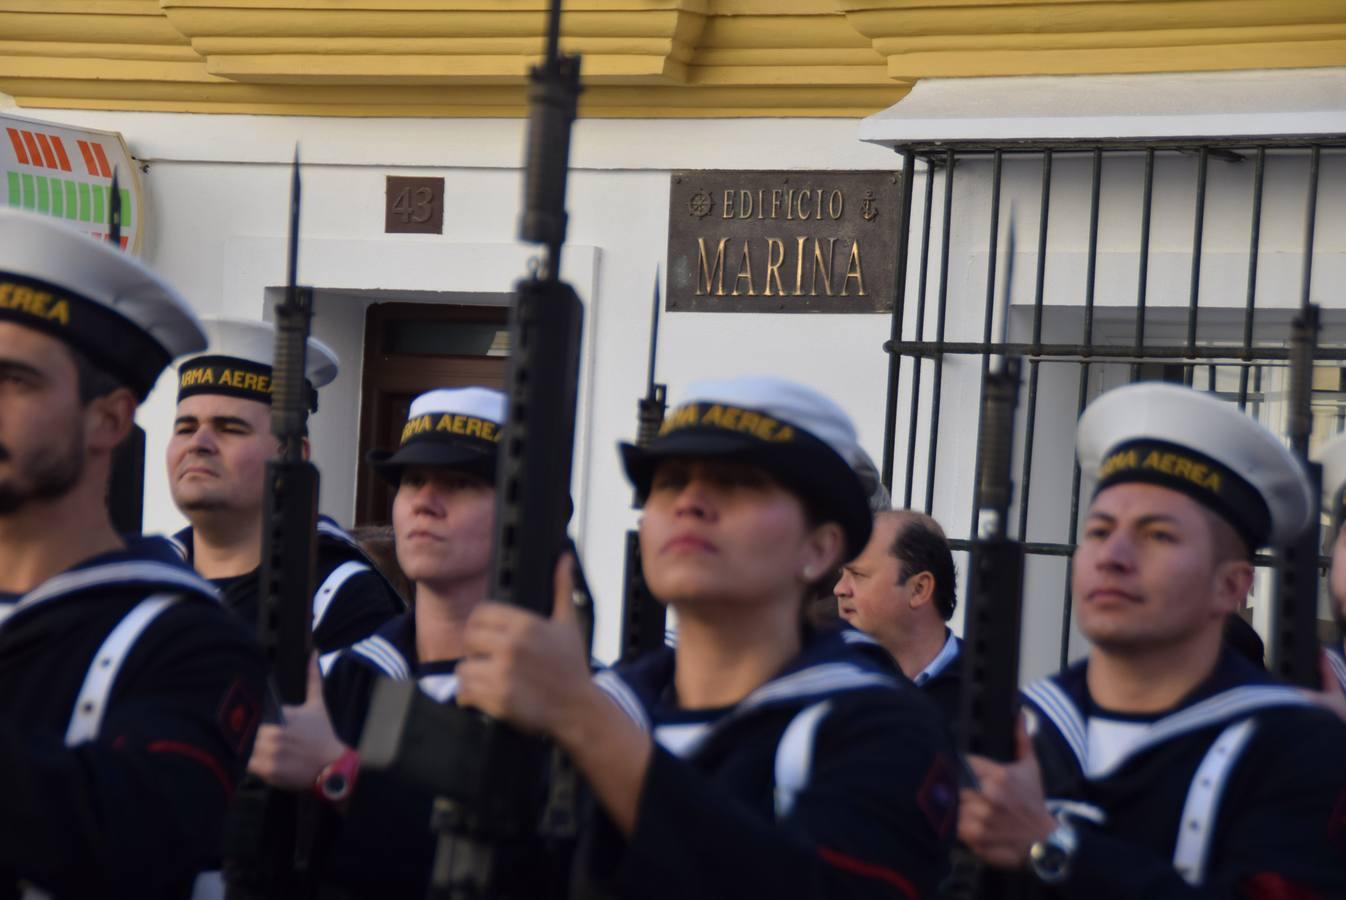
(334, 786)
(1050, 860)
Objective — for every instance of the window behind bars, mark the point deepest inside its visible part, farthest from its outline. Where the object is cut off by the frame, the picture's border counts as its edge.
(1180, 261)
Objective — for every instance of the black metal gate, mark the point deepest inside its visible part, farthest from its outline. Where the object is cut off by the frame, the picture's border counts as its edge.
(1142, 223)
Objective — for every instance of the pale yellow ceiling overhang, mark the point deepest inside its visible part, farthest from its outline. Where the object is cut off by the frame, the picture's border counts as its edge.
(642, 58)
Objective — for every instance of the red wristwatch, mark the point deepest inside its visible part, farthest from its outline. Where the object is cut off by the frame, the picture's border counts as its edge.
(337, 779)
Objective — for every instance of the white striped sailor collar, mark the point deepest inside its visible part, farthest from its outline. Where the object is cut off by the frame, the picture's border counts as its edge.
(1234, 690)
(830, 663)
(120, 570)
(392, 650)
(327, 528)
(943, 659)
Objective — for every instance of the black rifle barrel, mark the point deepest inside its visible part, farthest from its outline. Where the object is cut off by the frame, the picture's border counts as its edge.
(1294, 615)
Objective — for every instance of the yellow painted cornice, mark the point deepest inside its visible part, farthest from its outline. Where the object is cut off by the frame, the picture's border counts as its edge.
(967, 38)
(642, 58)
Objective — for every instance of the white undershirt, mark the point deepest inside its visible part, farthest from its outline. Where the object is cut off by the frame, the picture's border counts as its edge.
(1110, 740)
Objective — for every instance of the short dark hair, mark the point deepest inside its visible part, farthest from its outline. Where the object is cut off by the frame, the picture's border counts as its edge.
(920, 546)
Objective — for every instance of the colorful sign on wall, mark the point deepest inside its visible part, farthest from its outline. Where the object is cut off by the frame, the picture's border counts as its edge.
(66, 173)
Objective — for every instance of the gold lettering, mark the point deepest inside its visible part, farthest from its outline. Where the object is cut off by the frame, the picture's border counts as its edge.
(790, 205)
(801, 211)
(445, 423)
(709, 274)
(1183, 469)
(775, 255)
(775, 202)
(5, 290)
(836, 202)
(250, 382)
(761, 205)
(819, 263)
(744, 273)
(728, 205)
(730, 418)
(712, 415)
(264, 384)
(785, 434)
(474, 427)
(818, 204)
(1126, 459)
(750, 421)
(744, 204)
(853, 270)
(681, 417)
(60, 312)
(799, 266)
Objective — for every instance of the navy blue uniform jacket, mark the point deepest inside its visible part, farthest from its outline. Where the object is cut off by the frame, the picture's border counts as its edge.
(1276, 829)
(351, 598)
(871, 817)
(136, 807)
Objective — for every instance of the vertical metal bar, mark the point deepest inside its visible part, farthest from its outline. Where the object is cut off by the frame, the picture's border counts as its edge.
(1310, 225)
(988, 311)
(943, 307)
(899, 301)
(1144, 273)
(1194, 291)
(918, 365)
(1254, 243)
(1088, 340)
(1044, 217)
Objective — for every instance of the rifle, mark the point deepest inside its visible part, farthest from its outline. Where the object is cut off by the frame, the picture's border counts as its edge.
(991, 630)
(1294, 646)
(266, 845)
(644, 617)
(126, 486)
(491, 787)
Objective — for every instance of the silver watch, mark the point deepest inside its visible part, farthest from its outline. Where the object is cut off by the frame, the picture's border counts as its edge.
(1050, 857)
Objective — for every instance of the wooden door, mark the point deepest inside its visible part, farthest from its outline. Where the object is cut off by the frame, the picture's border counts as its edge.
(411, 348)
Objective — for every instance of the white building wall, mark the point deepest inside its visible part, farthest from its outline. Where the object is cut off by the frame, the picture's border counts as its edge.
(217, 190)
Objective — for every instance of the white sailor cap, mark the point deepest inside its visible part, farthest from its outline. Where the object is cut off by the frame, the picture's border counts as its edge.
(1192, 442)
(1333, 458)
(452, 428)
(121, 315)
(239, 360)
(798, 436)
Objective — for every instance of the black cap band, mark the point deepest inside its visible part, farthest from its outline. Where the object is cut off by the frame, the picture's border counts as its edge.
(232, 377)
(111, 341)
(797, 459)
(1207, 481)
(445, 440)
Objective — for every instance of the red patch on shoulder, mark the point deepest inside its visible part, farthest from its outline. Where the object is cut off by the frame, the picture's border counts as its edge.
(238, 715)
(937, 797)
(1274, 886)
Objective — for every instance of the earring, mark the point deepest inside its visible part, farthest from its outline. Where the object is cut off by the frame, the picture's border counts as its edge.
(808, 573)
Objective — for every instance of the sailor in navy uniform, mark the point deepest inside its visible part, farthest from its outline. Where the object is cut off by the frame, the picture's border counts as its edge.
(902, 590)
(1165, 765)
(443, 521)
(129, 696)
(757, 758)
(216, 465)
(1333, 458)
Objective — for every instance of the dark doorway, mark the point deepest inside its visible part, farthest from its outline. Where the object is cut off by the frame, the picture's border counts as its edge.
(411, 348)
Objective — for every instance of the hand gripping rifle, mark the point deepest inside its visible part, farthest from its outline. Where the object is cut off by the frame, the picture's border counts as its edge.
(644, 617)
(493, 784)
(989, 707)
(1294, 612)
(267, 841)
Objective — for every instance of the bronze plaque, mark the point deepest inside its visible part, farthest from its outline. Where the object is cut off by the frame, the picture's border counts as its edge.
(413, 205)
(782, 241)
